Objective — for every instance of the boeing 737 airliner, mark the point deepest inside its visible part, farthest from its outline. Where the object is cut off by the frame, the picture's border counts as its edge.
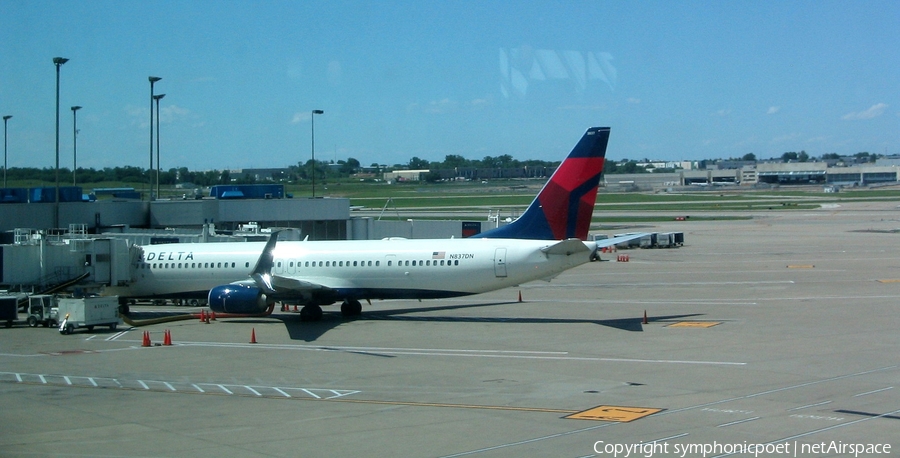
(244, 278)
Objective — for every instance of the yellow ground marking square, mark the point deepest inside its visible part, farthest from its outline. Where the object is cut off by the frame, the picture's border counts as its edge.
(694, 324)
(614, 413)
(890, 280)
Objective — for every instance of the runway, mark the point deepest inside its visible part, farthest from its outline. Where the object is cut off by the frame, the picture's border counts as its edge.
(779, 331)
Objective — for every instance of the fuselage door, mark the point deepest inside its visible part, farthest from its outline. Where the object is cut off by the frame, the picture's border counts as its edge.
(500, 262)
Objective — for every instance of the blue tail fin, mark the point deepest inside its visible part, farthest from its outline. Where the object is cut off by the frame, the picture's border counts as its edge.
(563, 208)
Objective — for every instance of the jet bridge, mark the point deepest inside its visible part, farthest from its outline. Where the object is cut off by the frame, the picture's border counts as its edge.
(38, 261)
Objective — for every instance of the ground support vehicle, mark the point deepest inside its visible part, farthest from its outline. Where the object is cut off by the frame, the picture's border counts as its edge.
(9, 309)
(42, 310)
(87, 312)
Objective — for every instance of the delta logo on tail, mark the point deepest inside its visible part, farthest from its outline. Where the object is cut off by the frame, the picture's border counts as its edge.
(563, 208)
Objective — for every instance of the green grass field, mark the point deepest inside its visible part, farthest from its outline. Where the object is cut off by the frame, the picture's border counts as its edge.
(517, 194)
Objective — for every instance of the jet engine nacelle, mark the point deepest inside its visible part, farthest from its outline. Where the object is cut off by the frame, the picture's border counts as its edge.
(237, 299)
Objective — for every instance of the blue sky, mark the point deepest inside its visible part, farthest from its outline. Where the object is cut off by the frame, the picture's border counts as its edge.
(674, 80)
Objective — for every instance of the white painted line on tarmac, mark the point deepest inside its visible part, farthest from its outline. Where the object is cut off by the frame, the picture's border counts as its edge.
(282, 392)
(810, 405)
(873, 392)
(738, 422)
(508, 354)
(252, 390)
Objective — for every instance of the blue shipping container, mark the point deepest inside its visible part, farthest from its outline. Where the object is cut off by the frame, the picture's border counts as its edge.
(13, 195)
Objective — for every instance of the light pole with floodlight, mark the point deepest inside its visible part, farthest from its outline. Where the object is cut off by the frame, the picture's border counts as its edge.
(74, 143)
(58, 61)
(5, 120)
(152, 79)
(157, 97)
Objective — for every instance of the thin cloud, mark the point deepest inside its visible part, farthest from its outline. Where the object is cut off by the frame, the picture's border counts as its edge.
(873, 112)
(773, 110)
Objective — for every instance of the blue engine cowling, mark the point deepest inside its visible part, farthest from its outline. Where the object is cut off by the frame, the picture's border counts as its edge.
(237, 299)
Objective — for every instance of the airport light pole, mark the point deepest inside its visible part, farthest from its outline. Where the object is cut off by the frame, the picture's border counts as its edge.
(313, 119)
(157, 98)
(152, 79)
(58, 61)
(74, 143)
(5, 120)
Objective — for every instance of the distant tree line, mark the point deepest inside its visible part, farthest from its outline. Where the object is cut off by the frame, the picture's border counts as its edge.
(351, 166)
(126, 174)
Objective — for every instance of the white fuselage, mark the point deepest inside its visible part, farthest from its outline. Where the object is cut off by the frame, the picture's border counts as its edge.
(370, 269)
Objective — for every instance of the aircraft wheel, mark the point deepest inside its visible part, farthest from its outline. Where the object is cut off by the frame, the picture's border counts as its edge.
(351, 308)
(311, 312)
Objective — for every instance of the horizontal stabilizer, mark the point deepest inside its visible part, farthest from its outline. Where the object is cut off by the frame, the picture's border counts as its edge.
(566, 247)
(620, 239)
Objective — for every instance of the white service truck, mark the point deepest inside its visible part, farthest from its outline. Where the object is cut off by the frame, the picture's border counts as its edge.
(88, 312)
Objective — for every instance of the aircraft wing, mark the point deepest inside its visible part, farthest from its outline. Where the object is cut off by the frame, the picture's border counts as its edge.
(283, 284)
(620, 239)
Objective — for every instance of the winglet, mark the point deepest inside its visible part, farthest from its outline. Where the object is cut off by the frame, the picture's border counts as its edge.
(565, 204)
(262, 273)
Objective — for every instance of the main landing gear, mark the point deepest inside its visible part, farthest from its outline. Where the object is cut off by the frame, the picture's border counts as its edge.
(313, 312)
(351, 307)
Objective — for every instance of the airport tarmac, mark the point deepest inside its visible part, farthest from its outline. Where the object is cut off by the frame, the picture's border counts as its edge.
(781, 331)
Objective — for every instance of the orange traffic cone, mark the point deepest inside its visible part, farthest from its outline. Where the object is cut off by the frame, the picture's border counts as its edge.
(253, 336)
(645, 318)
(213, 313)
(146, 341)
(202, 317)
(167, 338)
(520, 295)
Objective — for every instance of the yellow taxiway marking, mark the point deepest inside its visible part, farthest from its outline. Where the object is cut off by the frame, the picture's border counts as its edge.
(614, 413)
(891, 280)
(694, 324)
(801, 266)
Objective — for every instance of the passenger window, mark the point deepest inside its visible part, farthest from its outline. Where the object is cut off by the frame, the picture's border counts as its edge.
(377, 263)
